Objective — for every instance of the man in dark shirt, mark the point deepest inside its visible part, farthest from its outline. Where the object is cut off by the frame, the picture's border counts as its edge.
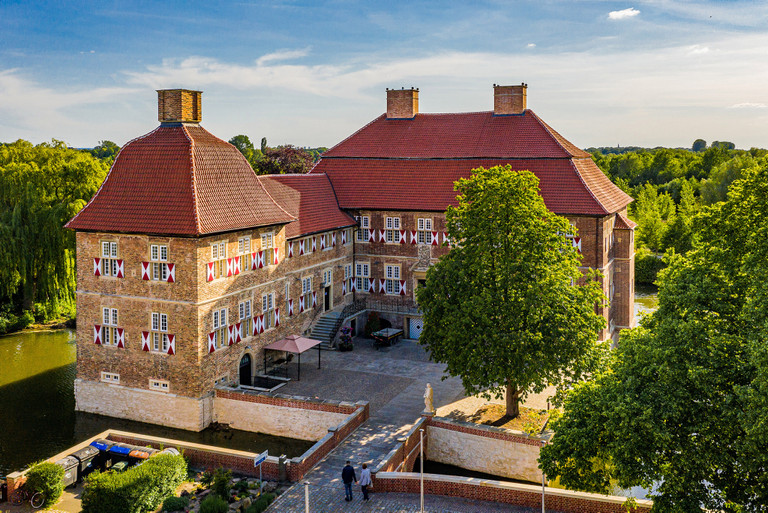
(348, 476)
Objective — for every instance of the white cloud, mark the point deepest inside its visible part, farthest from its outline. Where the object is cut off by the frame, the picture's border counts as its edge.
(283, 55)
(698, 50)
(623, 14)
(531, 45)
(749, 105)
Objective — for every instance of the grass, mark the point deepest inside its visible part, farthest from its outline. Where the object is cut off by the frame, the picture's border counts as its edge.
(530, 420)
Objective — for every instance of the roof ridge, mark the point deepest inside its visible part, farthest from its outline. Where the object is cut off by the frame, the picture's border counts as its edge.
(352, 135)
(106, 178)
(258, 179)
(554, 134)
(192, 172)
(586, 185)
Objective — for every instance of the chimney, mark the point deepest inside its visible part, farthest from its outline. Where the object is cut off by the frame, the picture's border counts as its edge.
(179, 106)
(509, 99)
(402, 103)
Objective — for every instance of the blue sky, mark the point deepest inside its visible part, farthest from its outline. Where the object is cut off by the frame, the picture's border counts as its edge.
(654, 72)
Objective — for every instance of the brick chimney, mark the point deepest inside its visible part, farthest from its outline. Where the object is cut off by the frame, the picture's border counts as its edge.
(509, 99)
(402, 103)
(179, 106)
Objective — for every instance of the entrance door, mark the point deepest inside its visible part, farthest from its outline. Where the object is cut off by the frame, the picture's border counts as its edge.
(415, 325)
(245, 370)
(327, 299)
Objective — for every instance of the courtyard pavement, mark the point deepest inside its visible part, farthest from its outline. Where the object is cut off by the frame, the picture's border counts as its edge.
(392, 379)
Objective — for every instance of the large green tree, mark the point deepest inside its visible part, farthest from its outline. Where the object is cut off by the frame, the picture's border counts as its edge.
(501, 309)
(682, 406)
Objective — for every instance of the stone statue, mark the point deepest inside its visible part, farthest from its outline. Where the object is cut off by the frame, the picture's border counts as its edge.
(429, 406)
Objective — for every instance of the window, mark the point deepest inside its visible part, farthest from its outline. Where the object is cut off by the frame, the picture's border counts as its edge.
(244, 250)
(364, 223)
(109, 326)
(110, 377)
(159, 332)
(306, 285)
(268, 248)
(109, 263)
(158, 254)
(160, 386)
(219, 258)
(220, 328)
(245, 317)
(424, 231)
(362, 272)
(393, 229)
(327, 241)
(393, 279)
(347, 278)
(327, 277)
(268, 309)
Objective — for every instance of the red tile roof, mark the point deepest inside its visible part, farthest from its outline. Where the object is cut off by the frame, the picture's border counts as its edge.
(465, 135)
(427, 185)
(624, 223)
(179, 180)
(411, 164)
(310, 199)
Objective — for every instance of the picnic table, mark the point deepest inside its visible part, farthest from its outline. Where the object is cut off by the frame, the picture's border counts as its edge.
(386, 337)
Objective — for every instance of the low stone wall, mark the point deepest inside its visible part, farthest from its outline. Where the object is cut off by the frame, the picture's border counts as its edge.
(143, 405)
(278, 414)
(564, 501)
(404, 455)
(491, 450)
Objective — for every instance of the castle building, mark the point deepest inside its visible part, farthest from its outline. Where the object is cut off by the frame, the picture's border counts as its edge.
(188, 263)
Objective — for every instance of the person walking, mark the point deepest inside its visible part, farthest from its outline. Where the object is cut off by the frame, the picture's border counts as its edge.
(348, 476)
(365, 481)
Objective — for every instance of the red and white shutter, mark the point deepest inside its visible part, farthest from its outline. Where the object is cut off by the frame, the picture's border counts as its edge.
(403, 234)
(120, 338)
(343, 237)
(145, 341)
(382, 286)
(435, 238)
(209, 276)
(382, 235)
(577, 243)
(301, 304)
(276, 252)
(343, 288)
(353, 284)
(238, 332)
(277, 317)
(171, 344)
(120, 269)
(371, 235)
(211, 342)
(314, 244)
(301, 246)
(236, 265)
(414, 237)
(333, 239)
(97, 334)
(322, 242)
(260, 263)
(445, 238)
(145, 270)
(262, 324)
(229, 267)
(402, 287)
(171, 273)
(97, 266)
(230, 335)
(314, 299)
(290, 307)
(290, 250)
(371, 285)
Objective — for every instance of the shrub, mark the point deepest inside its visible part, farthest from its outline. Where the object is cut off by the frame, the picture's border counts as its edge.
(46, 478)
(220, 484)
(137, 490)
(262, 503)
(647, 266)
(175, 503)
(214, 504)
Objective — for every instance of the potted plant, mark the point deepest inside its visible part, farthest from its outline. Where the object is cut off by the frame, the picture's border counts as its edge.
(345, 339)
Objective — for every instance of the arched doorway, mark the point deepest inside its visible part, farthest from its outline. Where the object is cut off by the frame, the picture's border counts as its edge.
(245, 370)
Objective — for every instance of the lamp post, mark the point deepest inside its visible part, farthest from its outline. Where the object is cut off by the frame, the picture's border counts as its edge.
(421, 468)
(543, 483)
(306, 496)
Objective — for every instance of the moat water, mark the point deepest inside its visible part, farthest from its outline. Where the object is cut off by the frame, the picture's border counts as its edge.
(37, 403)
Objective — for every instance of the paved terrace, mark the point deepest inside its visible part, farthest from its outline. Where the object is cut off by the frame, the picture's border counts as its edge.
(392, 379)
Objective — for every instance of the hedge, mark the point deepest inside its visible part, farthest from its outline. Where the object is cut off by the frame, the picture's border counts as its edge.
(137, 490)
(647, 266)
(46, 478)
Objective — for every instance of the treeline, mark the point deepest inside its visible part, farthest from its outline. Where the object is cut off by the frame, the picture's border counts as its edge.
(278, 160)
(670, 186)
(41, 188)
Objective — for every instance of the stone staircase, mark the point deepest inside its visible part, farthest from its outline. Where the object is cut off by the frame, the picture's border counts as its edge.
(325, 329)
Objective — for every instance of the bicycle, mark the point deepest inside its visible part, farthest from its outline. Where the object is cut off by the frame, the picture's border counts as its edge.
(36, 500)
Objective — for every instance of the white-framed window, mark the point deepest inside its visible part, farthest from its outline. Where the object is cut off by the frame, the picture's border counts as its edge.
(327, 277)
(158, 254)
(364, 223)
(327, 240)
(424, 231)
(268, 309)
(393, 229)
(245, 317)
(159, 332)
(306, 285)
(392, 273)
(220, 328)
(108, 258)
(219, 257)
(159, 385)
(267, 246)
(244, 250)
(362, 273)
(109, 326)
(110, 377)
(348, 277)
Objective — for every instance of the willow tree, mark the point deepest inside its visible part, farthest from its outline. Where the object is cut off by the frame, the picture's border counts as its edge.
(41, 188)
(502, 309)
